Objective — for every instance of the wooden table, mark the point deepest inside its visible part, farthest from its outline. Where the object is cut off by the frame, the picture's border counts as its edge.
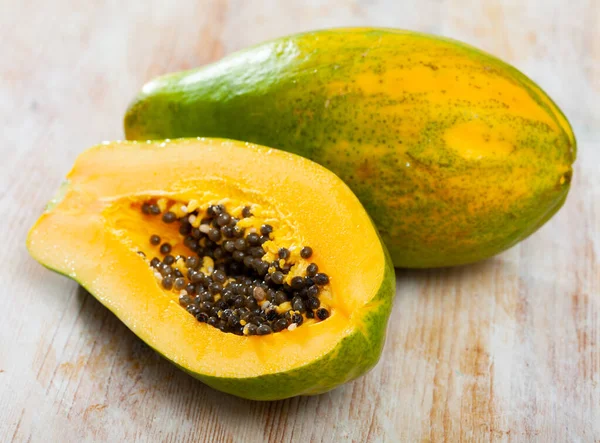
(505, 350)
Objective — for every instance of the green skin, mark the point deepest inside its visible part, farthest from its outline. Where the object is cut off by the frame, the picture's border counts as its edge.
(279, 94)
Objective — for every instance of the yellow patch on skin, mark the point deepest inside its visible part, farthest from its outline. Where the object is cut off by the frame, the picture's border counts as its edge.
(441, 87)
(475, 140)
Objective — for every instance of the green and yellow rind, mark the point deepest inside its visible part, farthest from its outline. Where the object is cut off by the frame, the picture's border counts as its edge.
(433, 206)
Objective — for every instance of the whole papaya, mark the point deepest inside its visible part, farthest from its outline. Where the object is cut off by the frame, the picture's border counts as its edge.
(455, 154)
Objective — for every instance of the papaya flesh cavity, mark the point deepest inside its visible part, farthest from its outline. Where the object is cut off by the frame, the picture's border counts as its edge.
(455, 154)
(231, 268)
(254, 270)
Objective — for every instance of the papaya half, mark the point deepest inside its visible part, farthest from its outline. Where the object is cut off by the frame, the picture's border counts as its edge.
(255, 270)
(455, 154)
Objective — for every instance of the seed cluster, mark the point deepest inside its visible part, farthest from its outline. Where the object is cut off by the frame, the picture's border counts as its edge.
(243, 294)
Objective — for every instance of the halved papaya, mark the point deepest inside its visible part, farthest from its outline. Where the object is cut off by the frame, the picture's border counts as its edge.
(255, 270)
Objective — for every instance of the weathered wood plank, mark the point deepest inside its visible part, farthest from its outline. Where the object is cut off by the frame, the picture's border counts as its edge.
(505, 350)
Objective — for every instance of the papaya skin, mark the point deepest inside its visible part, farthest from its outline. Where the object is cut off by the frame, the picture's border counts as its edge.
(455, 154)
(93, 232)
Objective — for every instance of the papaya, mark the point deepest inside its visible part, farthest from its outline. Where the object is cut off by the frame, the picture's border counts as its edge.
(254, 270)
(455, 154)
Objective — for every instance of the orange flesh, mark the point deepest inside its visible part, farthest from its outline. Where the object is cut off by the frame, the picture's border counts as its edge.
(94, 232)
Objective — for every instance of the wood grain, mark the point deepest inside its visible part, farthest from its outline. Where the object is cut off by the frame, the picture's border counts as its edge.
(504, 350)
